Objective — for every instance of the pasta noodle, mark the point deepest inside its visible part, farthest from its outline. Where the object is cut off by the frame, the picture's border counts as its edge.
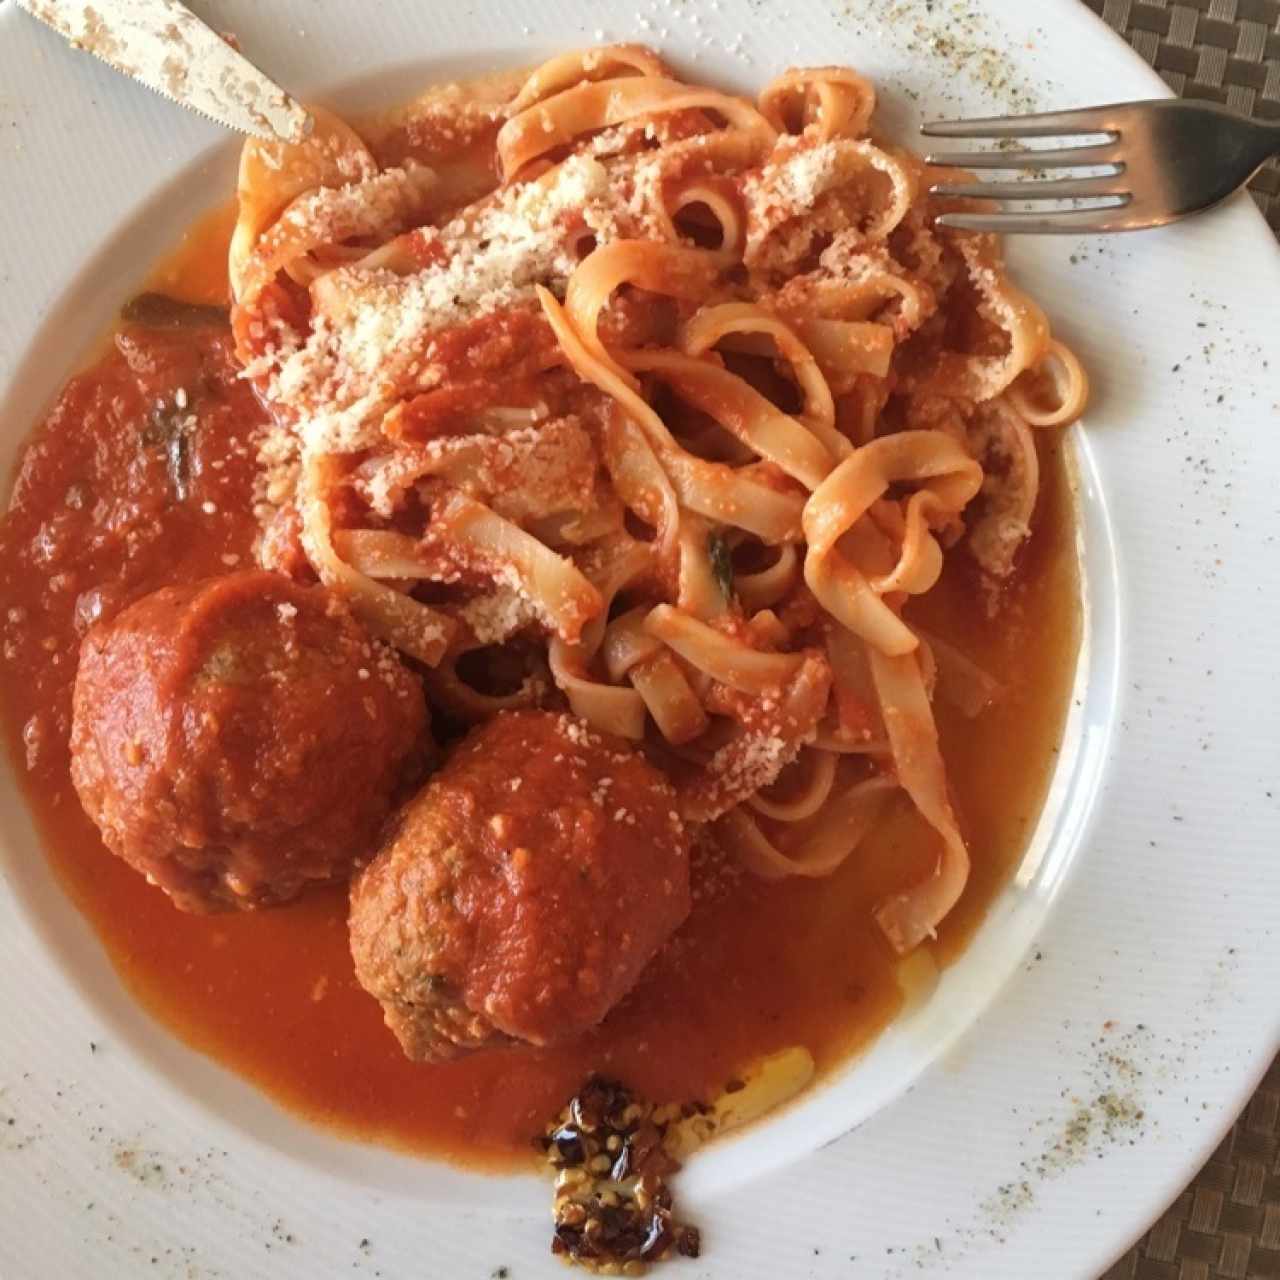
(678, 410)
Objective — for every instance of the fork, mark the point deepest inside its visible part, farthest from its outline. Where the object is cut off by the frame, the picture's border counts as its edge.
(1164, 159)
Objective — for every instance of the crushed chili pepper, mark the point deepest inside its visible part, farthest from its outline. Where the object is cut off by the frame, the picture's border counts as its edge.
(613, 1210)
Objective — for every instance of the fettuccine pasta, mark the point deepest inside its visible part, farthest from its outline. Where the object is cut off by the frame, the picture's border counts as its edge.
(662, 406)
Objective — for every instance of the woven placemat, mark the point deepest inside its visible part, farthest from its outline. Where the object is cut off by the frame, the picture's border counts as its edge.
(1226, 1225)
(1225, 51)
(1227, 1222)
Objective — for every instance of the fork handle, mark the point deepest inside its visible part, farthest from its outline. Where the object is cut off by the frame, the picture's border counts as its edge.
(1266, 134)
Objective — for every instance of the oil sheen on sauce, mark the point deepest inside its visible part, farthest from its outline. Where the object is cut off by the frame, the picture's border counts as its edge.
(272, 995)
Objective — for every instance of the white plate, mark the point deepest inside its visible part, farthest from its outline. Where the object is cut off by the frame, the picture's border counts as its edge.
(1118, 1007)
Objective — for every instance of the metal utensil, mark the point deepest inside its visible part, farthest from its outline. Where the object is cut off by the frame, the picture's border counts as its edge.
(1164, 159)
(165, 46)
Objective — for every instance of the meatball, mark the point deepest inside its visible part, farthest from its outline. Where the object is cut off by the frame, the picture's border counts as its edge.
(240, 738)
(519, 895)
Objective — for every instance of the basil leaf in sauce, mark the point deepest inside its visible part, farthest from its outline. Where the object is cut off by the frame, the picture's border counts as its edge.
(721, 562)
(159, 311)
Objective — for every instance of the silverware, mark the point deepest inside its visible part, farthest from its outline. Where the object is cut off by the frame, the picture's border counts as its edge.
(1164, 159)
(165, 46)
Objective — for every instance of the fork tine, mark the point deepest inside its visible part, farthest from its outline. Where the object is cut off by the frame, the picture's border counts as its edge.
(1060, 222)
(1030, 157)
(1047, 124)
(1107, 184)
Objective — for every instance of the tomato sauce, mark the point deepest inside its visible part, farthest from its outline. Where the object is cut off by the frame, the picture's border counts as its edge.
(142, 475)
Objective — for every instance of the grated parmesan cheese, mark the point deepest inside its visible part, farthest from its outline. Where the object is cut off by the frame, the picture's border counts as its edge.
(495, 618)
(371, 323)
(790, 184)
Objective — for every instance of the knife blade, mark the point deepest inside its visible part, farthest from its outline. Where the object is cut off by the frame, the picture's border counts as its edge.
(162, 44)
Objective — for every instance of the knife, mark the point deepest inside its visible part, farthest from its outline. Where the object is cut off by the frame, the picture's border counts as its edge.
(165, 46)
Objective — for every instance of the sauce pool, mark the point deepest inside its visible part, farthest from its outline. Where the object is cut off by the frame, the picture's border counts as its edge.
(142, 476)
